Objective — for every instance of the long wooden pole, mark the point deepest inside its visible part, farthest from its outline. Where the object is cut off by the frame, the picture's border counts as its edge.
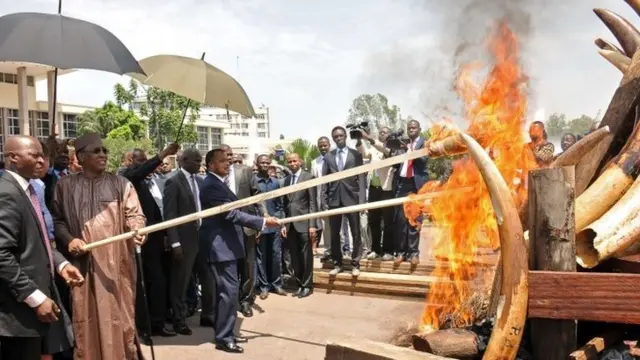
(370, 206)
(262, 197)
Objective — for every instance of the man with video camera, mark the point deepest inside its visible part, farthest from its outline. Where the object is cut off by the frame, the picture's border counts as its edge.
(380, 188)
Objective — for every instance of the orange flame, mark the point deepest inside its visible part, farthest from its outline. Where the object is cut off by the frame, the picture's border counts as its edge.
(496, 113)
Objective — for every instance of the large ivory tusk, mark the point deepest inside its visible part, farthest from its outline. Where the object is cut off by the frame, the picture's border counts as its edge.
(573, 155)
(626, 34)
(607, 45)
(507, 333)
(614, 232)
(619, 60)
(451, 145)
(611, 185)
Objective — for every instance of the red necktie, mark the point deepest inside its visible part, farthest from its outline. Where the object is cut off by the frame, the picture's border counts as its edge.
(410, 163)
(36, 206)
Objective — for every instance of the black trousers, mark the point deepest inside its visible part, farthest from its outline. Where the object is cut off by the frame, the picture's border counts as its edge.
(336, 249)
(287, 266)
(407, 237)
(20, 348)
(247, 271)
(301, 257)
(381, 222)
(225, 275)
(156, 282)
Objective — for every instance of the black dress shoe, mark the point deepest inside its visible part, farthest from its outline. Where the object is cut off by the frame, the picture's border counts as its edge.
(245, 309)
(241, 340)
(305, 292)
(182, 329)
(264, 294)
(297, 293)
(230, 347)
(162, 331)
(204, 322)
(280, 291)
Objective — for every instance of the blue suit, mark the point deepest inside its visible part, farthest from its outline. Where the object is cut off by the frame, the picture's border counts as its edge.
(224, 237)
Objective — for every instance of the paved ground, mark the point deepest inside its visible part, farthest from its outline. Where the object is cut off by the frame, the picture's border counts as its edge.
(296, 329)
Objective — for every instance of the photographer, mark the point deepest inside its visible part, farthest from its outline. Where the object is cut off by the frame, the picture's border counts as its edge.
(380, 188)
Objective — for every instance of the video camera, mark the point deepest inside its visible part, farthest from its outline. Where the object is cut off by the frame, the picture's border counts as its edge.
(354, 130)
(396, 139)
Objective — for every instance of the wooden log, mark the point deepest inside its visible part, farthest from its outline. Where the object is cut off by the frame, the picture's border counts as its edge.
(596, 345)
(552, 247)
(362, 349)
(456, 343)
(605, 297)
(620, 117)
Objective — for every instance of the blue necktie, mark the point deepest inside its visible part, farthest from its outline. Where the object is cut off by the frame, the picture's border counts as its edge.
(340, 160)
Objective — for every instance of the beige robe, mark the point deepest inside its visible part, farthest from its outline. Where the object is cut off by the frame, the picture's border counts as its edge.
(103, 307)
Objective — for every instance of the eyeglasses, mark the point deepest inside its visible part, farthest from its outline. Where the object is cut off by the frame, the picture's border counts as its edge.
(237, 162)
(99, 150)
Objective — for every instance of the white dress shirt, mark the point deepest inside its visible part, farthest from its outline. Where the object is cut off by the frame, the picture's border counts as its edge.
(372, 154)
(316, 171)
(37, 297)
(296, 177)
(410, 147)
(232, 179)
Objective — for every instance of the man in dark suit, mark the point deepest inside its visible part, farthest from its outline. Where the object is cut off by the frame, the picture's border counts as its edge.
(409, 178)
(181, 197)
(150, 196)
(30, 320)
(341, 193)
(226, 247)
(243, 184)
(302, 234)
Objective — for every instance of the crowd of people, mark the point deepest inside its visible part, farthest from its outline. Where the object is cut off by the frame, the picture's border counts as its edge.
(58, 300)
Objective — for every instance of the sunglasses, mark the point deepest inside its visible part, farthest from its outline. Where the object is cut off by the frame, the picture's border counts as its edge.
(98, 150)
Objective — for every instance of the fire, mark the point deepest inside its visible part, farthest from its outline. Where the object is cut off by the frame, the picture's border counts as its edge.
(496, 112)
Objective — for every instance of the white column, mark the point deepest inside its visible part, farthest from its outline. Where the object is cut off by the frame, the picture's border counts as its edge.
(23, 101)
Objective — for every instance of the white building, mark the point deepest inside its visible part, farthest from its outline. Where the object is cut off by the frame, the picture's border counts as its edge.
(240, 125)
(39, 123)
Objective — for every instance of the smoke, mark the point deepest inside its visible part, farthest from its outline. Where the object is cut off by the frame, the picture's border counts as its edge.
(423, 75)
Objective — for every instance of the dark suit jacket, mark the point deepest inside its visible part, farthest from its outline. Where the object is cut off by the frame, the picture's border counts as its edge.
(247, 186)
(24, 263)
(420, 174)
(345, 192)
(223, 233)
(177, 201)
(137, 174)
(301, 203)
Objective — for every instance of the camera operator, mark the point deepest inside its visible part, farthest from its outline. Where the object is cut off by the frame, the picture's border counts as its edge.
(380, 188)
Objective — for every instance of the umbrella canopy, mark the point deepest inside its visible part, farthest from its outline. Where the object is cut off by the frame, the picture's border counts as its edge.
(196, 80)
(63, 42)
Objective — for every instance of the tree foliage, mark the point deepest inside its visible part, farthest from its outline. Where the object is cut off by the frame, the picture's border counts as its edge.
(113, 122)
(438, 167)
(118, 146)
(307, 151)
(163, 111)
(375, 109)
(557, 125)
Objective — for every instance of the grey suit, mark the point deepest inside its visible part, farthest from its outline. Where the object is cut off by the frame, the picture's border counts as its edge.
(25, 268)
(178, 200)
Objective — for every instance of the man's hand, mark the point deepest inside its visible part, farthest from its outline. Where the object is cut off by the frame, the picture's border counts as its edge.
(171, 149)
(364, 134)
(312, 234)
(177, 253)
(139, 239)
(72, 275)
(272, 222)
(76, 247)
(48, 311)
(283, 232)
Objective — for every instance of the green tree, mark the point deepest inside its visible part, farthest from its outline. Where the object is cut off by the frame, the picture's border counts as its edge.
(556, 125)
(112, 121)
(375, 109)
(437, 167)
(118, 146)
(307, 151)
(580, 125)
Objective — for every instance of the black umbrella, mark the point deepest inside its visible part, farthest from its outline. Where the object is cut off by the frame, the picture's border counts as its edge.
(63, 42)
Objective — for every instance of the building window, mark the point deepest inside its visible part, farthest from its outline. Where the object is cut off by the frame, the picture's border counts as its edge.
(42, 124)
(13, 121)
(260, 116)
(262, 134)
(221, 117)
(262, 126)
(30, 81)
(203, 138)
(245, 126)
(216, 138)
(69, 125)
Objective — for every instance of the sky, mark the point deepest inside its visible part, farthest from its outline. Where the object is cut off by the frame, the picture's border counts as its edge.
(308, 60)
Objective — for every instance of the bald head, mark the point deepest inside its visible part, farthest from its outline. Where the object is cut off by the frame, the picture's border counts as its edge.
(294, 162)
(23, 155)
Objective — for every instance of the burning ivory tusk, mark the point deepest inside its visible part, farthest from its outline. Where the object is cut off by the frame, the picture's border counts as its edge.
(371, 206)
(261, 197)
(507, 333)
